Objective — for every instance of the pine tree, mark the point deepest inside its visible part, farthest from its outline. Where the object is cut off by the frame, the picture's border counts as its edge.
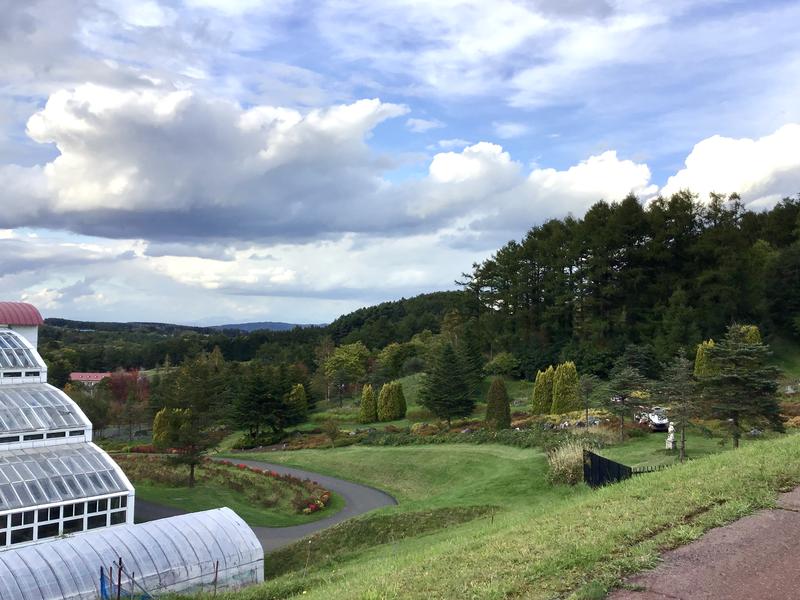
(702, 360)
(620, 391)
(368, 411)
(566, 389)
(469, 352)
(678, 390)
(385, 410)
(543, 392)
(498, 408)
(742, 386)
(445, 391)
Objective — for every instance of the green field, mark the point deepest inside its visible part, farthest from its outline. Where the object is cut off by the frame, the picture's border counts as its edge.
(571, 541)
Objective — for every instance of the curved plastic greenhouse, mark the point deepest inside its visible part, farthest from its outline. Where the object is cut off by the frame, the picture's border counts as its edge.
(188, 553)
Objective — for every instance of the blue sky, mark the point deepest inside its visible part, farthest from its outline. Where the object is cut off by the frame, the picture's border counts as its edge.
(206, 161)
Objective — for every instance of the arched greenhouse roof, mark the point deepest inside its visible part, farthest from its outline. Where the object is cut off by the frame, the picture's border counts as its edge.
(36, 407)
(17, 353)
(20, 313)
(183, 553)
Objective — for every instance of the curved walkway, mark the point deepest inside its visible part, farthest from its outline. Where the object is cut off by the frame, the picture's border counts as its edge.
(358, 499)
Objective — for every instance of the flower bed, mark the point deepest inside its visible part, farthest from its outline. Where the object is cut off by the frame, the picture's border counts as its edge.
(261, 487)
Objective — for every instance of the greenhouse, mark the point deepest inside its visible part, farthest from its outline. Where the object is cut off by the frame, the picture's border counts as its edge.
(207, 551)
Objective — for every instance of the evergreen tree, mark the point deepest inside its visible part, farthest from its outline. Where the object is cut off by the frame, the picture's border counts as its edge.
(398, 401)
(742, 386)
(620, 392)
(542, 400)
(679, 391)
(566, 389)
(469, 352)
(445, 391)
(298, 403)
(385, 403)
(368, 411)
(702, 359)
(498, 407)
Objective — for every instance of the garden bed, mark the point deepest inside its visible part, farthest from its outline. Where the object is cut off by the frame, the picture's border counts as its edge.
(261, 497)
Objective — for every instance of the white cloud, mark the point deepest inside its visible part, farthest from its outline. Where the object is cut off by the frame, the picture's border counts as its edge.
(453, 143)
(422, 125)
(761, 170)
(509, 129)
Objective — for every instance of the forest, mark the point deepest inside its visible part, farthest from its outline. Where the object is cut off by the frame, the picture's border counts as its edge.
(664, 276)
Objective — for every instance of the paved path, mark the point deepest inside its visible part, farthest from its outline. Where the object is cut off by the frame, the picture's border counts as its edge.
(755, 558)
(358, 499)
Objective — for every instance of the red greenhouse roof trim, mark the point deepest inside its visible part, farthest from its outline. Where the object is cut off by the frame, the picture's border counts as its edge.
(19, 313)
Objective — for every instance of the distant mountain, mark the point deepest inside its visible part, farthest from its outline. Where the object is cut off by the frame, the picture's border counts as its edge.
(262, 325)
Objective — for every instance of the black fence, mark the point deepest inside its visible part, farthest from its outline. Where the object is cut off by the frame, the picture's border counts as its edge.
(598, 470)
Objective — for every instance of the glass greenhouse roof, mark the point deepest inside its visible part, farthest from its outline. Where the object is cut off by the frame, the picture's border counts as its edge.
(35, 407)
(56, 473)
(175, 554)
(15, 354)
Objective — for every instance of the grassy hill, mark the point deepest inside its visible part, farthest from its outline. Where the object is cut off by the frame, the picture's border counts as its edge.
(539, 542)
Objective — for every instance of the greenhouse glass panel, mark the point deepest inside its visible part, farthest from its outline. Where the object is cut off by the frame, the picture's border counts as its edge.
(163, 561)
(15, 354)
(27, 471)
(36, 407)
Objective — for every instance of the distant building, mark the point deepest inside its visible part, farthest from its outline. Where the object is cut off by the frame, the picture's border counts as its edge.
(88, 379)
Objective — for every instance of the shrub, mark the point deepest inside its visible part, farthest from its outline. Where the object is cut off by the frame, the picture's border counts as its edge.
(498, 411)
(398, 400)
(566, 463)
(247, 441)
(368, 411)
(385, 403)
(504, 363)
(566, 391)
(420, 414)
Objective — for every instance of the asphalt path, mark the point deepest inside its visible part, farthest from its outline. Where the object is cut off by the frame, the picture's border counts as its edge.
(754, 558)
(358, 499)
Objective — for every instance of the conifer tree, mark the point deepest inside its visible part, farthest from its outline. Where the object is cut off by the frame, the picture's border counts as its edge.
(385, 403)
(445, 391)
(566, 389)
(469, 352)
(625, 383)
(679, 391)
(398, 401)
(298, 403)
(742, 386)
(543, 392)
(702, 360)
(498, 407)
(368, 411)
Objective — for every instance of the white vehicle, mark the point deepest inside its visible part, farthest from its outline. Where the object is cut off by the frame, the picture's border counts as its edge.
(657, 419)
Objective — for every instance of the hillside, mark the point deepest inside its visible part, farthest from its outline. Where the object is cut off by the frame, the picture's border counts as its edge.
(261, 325)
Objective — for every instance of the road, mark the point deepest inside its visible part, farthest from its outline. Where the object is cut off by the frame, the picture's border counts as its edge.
(358, 499)
(753, 558)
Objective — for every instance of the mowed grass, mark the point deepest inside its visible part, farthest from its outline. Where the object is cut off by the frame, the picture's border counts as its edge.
(786, 356)
(205, 497)
(579, 546)
(650, 451)
(437, 475)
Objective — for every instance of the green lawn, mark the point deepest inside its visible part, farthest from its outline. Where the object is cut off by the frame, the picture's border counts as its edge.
(786, 356)
(206, 497)
(574, 543)
(649, 451)
(435, 476)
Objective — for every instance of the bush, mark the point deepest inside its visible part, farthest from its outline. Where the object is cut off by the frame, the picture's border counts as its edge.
(566, 463)
(503, 364)
(498, 411)
(265, 438)
(420, 414)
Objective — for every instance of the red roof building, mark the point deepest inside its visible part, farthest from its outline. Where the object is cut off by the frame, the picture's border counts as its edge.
(20, 313)
(88, 377)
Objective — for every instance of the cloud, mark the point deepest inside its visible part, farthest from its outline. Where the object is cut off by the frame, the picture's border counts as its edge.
(423, 125)
(761, 170)
(453, 143)
(509, 129)
(168, 164)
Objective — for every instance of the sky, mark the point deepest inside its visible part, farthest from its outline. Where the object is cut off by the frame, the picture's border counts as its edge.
(217, 161)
